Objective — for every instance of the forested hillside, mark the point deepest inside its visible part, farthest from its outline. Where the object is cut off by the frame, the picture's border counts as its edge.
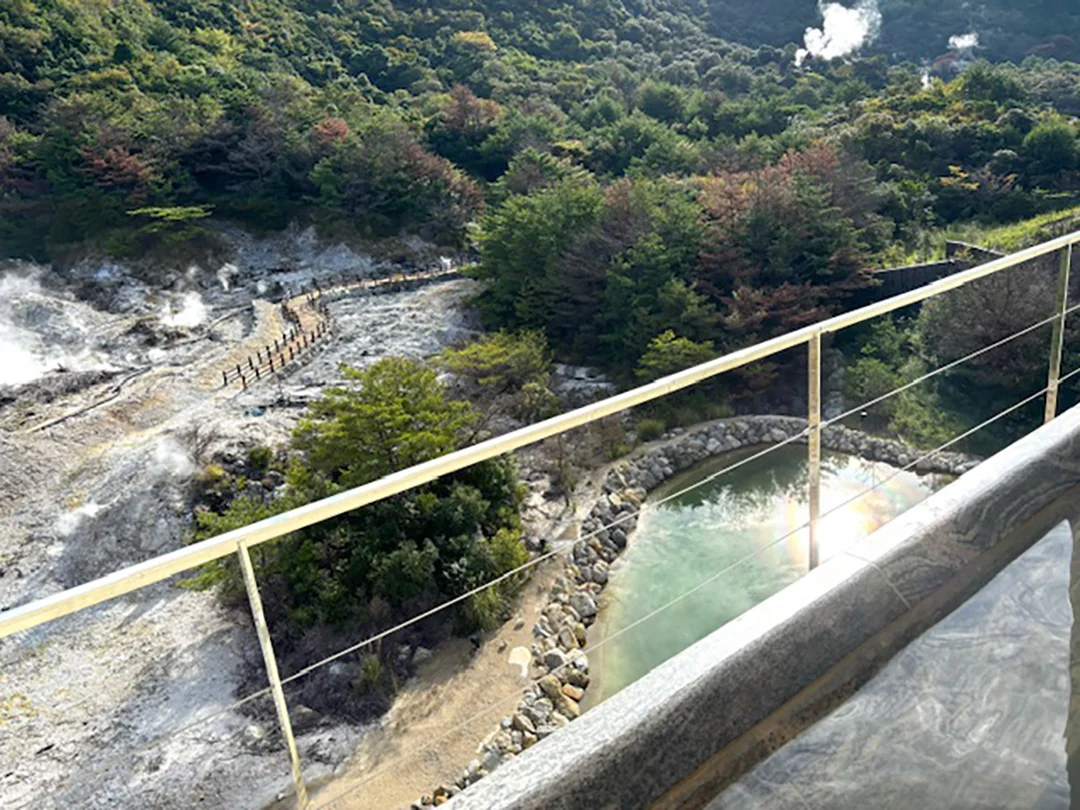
(634, 171)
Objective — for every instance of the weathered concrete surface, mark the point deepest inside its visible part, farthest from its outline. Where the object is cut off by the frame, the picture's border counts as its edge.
(704, 718)
(971, 714)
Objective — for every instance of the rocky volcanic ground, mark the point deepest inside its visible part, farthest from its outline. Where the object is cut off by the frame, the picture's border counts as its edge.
(103, 427)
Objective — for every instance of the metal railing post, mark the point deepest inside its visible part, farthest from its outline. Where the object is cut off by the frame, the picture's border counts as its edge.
(270, 660)
(1057, 342)
(814, 443)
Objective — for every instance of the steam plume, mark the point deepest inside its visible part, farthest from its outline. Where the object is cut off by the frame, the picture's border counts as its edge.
(171, 457)
(190, 312)
(843, 30)
(964, 42)
(37, 333)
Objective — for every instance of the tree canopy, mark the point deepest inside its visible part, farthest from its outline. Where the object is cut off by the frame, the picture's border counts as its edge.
(396, 556)
(404, 116)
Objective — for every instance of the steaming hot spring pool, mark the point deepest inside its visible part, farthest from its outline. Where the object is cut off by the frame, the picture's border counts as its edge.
(736, 522)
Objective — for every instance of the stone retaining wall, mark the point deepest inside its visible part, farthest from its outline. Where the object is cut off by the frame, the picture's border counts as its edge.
(562, 631)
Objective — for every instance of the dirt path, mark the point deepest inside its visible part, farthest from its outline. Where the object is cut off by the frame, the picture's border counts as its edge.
(441, 716)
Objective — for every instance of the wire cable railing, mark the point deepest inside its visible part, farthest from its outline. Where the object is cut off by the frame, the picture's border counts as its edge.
(28, 616)
(711, 579)
(446, 605)
(627, 517)
(105, 766)
(929, 375)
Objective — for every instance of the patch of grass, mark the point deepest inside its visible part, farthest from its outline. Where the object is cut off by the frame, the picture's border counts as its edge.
(370, 675)
(1004, 238)
(259, 458)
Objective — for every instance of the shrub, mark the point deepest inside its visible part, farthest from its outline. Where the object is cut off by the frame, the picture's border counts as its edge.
(649, 430)
(370, 675)
(668, 354)
(504, 371)
(393, 557)
(259, 458)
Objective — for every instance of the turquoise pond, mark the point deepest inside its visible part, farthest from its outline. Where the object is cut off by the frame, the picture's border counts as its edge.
(747, 521)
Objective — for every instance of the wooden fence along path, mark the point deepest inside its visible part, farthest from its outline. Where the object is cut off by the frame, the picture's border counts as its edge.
(308, 321)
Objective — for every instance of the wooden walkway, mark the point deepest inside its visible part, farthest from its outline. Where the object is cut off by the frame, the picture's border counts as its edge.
(303, 322)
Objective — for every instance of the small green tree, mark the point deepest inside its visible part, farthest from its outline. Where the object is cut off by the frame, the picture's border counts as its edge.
(404, 553)
(504, 371)
(1050, 148)
(668, 354)
(869, 378)
(393, 415)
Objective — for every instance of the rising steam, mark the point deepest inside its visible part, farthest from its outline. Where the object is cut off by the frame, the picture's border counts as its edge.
(171, 457)
(38, 333)
(964, 42)
(190, 311)
(843, 30)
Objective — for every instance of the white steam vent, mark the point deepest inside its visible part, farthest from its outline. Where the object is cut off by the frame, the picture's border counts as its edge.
(172, 458)
(964, 42)
(844, 30)
(187, 313)
(225, 275)
(68, 522)
(41, 333)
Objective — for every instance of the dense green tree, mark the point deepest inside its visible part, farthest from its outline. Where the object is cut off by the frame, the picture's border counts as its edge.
(504, 372)
(431, 543)
(1050, 149)
(386, 181)
(393, 415)
(662, 101)
(522, 241)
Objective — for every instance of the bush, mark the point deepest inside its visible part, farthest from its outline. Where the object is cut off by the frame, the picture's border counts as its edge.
(869, 378)
(483, 611)
(920, 419)
(259, 458)
(504, 371)
(668, 354)
(649, 430)
(370, 675)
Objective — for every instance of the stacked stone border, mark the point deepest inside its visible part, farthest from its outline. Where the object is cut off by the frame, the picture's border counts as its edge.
(561, 633)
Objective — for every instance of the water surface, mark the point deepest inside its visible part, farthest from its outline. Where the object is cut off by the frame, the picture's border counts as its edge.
(747, 520)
